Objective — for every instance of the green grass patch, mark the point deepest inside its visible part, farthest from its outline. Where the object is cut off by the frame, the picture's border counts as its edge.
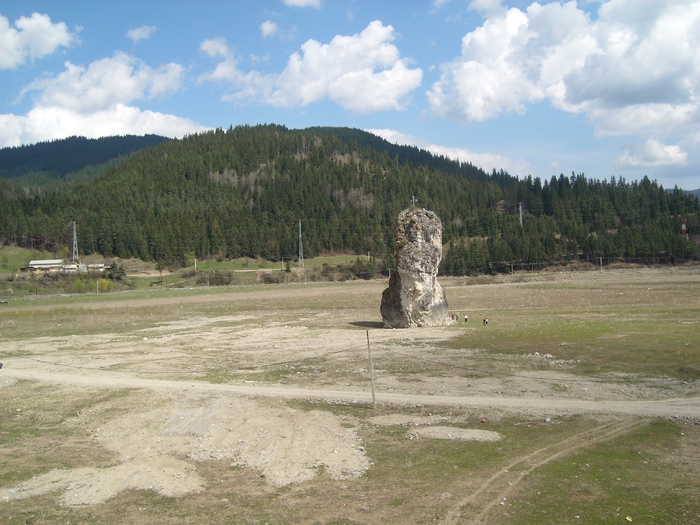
(12, 258)
(642, 340)
(650, 475)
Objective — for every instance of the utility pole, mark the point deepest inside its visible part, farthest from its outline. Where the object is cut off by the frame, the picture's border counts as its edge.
(301, 249)
(520, 207)
(371, 370)
(75, 244)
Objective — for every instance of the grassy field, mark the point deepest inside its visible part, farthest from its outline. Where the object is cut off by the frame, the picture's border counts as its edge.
(12, 258)
(622, 335)
(141, 275)
(634, 324)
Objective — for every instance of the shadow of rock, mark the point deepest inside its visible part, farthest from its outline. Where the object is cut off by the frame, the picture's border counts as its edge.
(367, 324)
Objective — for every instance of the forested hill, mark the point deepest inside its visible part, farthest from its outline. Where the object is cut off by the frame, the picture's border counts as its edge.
(410, 155)
(243, 191)
(60, 157)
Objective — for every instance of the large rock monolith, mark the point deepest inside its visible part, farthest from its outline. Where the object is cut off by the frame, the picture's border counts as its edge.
(414, 297)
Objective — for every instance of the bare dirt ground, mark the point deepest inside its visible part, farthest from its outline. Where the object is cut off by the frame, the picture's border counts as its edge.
(157, 441)
(206, 377)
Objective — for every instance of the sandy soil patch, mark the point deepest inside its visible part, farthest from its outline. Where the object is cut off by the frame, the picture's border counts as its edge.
(161, 439)
(428, 427)
(413, 420)
(459, 434)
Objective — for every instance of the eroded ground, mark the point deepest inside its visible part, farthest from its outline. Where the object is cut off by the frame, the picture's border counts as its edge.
(166, 395)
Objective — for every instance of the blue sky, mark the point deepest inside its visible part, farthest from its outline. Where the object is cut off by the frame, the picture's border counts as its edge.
(605, 88)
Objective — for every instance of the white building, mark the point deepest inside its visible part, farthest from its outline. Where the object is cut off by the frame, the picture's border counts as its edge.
(57, 265)
(46, 265)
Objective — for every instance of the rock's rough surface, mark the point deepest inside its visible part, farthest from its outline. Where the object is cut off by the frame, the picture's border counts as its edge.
(414, 297)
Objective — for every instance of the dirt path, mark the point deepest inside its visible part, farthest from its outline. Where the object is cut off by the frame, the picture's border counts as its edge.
(497, 488)
(688, 407)
(180, 297)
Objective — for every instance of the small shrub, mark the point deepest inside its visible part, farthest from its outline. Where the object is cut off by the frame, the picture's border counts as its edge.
(689, 370)
(273, 278)
(79, 286)
(215, 278)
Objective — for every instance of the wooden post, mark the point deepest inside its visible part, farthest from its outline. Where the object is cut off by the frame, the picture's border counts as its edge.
(371, 371)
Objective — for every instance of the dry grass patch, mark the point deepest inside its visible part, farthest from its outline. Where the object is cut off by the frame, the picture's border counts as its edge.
(605, 331)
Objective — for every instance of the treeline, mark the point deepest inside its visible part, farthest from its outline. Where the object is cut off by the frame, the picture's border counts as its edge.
(38, 183)
(579, 218)
(242, 192)
(56, 158)
(409, 155)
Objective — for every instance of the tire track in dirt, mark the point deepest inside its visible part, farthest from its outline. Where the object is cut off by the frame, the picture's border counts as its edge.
(504, 482)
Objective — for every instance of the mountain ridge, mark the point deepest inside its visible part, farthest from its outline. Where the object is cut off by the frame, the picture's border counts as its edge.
(59, 157)
(242, 192)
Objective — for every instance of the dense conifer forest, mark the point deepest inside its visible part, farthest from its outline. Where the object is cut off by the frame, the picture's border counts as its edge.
(242, 192)
(59, 157)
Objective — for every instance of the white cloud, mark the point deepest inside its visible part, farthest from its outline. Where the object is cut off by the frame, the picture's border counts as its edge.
(362, 72)
(486, 7)
(303, 3)
(257, 59)
(268, 28)
(47, 123)
(634, 70)
(118, 79)
(95, 101)
(652, 153)
(251, 85)
(397, 137)
(216, 47)
(34, 37)
(486, 161)
(141, 33)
